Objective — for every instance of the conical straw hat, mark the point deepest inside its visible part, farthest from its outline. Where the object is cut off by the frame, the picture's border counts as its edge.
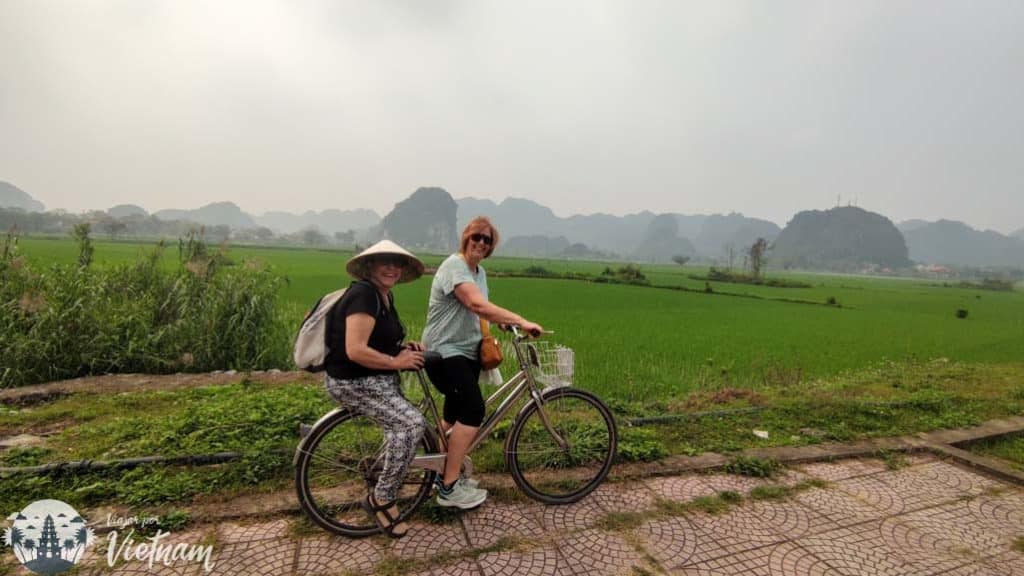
(358, 266)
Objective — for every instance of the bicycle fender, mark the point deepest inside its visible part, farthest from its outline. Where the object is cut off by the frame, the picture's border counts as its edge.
(312, 431)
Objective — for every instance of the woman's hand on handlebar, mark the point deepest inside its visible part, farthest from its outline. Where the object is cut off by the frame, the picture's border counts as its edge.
(531, 328)
(409, 359)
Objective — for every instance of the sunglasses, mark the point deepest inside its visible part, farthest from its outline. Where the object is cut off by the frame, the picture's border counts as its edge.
(396, 261)
(481, 238)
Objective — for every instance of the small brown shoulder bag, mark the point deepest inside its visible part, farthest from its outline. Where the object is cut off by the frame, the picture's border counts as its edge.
(490, 349)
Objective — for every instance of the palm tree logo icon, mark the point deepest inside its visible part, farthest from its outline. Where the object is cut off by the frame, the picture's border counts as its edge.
(48, 536)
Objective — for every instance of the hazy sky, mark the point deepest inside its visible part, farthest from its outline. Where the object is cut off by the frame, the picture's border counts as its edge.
(912, 109)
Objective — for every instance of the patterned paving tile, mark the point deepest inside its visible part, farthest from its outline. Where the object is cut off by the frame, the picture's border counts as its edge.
(733, 483)
(230, 532)
(1010, 563)
(979, 569)
(742, 529)
(576, 516)
(136, 567)
(784, 559)
(873, 492)
(916, 488)
(841, 508)
(679, 488)
(626, 497)
(790, 477)
(956, 478)
(427, 540)
(671, 541)
(332, 555)
(856, 551)
(595, 553)
(263, 557)
(843, 469)
(535, 562)
(924, 551)
(488, 524)
(789, 520)
(467, 567)
(918, 458)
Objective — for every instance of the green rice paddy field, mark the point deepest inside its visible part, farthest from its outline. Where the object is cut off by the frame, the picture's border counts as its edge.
(654, 343)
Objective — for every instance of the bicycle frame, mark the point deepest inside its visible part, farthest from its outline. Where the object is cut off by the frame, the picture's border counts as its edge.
(512, 390)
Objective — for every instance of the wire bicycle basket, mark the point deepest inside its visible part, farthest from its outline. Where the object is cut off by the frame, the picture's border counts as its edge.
(554, 364)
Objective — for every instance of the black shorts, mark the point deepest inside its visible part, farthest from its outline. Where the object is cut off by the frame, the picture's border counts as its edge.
(458, 378)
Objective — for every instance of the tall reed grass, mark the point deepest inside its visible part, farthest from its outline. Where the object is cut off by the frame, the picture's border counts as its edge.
(65, 321)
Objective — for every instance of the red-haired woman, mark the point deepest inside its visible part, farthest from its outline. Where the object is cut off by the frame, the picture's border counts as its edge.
(458, 299)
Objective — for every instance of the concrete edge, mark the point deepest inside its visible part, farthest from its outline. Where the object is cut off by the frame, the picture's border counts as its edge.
(787, 455)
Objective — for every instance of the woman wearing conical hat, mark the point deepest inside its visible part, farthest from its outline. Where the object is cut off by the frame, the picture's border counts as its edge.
(363, 374)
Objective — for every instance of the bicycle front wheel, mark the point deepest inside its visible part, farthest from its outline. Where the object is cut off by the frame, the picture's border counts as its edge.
(561, 474)
(339, 463)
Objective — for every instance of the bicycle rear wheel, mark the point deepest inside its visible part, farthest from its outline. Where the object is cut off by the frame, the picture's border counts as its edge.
(339, 463)
(553, 474)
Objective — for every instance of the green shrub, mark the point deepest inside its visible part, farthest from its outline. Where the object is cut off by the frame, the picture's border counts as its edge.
(70, 321)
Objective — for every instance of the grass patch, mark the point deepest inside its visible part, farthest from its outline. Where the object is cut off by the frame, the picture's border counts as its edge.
(1018, 544)
(1009, 449)
(395, 566)
(713, 505)
(640, 445)
(893, 460)
(616, 521)
(435, 514)
(753, 467)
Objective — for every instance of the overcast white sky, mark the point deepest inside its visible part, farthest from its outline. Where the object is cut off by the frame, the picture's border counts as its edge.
(908, 108)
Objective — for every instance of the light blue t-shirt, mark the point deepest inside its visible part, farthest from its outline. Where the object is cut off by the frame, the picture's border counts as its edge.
(452, 329)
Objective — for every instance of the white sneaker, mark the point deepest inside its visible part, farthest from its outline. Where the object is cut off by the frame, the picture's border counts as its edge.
(471, 482)
(461, 496)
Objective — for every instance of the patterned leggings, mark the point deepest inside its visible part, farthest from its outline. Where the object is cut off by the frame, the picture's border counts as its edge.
(380, 399)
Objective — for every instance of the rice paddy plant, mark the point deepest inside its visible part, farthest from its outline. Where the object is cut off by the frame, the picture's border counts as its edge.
(70, 320)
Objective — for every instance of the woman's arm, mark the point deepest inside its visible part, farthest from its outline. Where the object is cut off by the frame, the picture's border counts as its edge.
(358, 328)
(472, 298)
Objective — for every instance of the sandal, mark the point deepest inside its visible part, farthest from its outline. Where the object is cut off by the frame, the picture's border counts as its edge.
(381, 514)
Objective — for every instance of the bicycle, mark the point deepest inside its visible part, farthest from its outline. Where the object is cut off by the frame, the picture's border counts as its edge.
(559, 448)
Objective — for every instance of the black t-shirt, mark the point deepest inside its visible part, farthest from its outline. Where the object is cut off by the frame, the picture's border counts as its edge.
(387, 336)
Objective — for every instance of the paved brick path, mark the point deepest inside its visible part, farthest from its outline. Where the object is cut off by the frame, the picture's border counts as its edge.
(930, 517)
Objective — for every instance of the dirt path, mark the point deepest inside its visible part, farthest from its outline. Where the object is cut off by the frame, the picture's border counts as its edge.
(116, 383)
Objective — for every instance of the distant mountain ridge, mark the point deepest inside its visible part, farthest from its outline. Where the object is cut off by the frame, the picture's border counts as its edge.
(13, 197)
(845, 238)
(327, 221)
(214, 214)
(951, 242)
(706, 236)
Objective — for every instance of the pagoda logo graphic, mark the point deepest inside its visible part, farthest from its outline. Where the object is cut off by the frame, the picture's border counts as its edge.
(48, 536)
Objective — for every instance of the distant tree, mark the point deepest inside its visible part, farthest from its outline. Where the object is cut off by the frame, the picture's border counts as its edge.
(680, 259)
(69, 545)
(312, 236)
(757, 253)
(346, 238)
(85, 249)
(30, 545)
(113, 228)
(217, 233)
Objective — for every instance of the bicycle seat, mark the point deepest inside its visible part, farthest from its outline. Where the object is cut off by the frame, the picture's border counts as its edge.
(430, 358)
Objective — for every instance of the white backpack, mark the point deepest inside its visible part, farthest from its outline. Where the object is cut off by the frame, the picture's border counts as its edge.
(311, 347)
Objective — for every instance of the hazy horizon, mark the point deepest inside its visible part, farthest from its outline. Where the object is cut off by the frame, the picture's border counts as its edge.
(909, 109)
